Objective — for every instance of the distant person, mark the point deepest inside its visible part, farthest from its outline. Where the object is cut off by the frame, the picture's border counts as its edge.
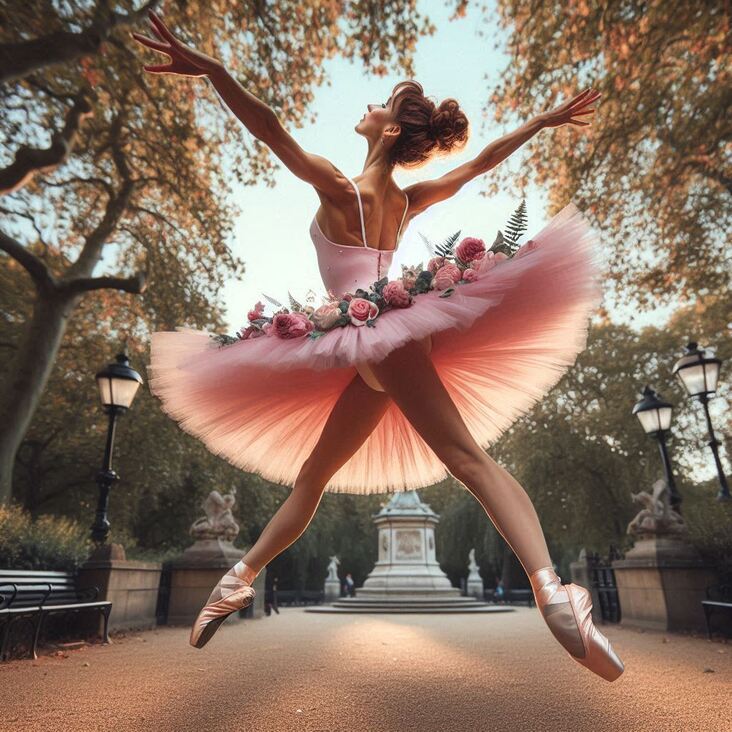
(499, 594)
(270, 594)
(350, 585)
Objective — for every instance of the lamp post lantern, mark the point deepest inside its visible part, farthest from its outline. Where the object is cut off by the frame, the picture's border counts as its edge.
(655, 418)
(118, 384)
(699, 374)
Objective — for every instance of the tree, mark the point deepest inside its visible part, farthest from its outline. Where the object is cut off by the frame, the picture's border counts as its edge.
(134, 177)
(654, 171)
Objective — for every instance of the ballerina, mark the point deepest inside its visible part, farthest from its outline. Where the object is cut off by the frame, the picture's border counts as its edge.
(399, 405)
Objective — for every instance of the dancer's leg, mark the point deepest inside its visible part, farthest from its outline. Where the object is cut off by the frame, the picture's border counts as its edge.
(409, 377)
(353, 418)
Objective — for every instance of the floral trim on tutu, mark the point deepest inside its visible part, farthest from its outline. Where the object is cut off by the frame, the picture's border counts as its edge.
(445, 270)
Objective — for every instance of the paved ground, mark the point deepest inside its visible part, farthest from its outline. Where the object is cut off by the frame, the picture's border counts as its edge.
(375, 673)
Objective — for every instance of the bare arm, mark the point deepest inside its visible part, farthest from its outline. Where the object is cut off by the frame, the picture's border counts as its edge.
(256, 116)
(263, 123)
(426, 193)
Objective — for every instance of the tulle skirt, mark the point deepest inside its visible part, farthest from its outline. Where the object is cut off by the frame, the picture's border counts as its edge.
(499, 344)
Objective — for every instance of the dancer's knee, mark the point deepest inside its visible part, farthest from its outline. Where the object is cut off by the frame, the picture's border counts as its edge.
(466, 464)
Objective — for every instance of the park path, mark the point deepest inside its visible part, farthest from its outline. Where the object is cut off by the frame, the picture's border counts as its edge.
(376, 673)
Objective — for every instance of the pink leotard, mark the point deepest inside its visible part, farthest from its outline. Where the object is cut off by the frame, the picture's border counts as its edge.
(345, 268)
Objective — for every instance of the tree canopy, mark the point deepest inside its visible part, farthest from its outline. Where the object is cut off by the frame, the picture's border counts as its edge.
(654, 170)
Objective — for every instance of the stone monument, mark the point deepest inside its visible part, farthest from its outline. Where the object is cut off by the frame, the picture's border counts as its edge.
(407, 576)
(195, 572)
(662, 580)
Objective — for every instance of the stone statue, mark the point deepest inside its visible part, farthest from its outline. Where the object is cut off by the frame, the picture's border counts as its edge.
(472, 565)
(333, 569)
(657, 518)
(219, 521)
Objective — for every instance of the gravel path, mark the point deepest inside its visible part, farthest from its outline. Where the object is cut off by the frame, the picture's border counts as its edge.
(376, 673)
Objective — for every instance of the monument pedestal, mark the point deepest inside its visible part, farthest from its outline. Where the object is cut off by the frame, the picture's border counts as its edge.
(195, 573)
(332, 590)
(131, 586)
(661, 583)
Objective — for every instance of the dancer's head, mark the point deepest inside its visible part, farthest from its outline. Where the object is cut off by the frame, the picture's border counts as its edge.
(411, 129)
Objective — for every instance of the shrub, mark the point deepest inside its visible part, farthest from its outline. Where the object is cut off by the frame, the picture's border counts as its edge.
(46, 543)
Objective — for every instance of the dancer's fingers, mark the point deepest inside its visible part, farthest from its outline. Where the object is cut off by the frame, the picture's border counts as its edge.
(150, 43)
(159, 68)
(162, 29)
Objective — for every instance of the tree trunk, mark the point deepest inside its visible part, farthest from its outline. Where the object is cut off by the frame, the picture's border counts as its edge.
(28, 377)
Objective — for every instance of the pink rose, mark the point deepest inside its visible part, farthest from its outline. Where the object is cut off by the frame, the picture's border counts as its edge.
(326, 315)
(529, 246)
(360, 310)
(486, 262)
(442, 281)
(449, 270)
(469, 248)
(267, 329)
(470, 275)
(347, 297)
(395, 294)
(257, 312)
(291, 325)
(435, 263)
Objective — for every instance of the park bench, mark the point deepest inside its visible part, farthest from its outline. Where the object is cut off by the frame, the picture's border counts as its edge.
(32, 596)
(719, 599)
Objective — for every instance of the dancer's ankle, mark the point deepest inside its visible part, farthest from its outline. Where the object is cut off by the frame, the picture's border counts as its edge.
(244, 572)
(547, 585)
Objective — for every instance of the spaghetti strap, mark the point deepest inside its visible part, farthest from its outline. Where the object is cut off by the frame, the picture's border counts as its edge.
(399, 231)
(360, 211)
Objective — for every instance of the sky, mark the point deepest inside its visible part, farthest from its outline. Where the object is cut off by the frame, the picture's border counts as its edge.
(271, 234)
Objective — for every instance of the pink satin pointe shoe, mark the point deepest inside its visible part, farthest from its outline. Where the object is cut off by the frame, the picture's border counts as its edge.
(232, 593)
(567, 611)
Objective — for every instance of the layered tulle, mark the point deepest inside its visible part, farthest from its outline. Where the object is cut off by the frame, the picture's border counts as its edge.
(499, 344)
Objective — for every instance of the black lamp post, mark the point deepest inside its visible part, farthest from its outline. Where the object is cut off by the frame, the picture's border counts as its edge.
(699, 373)
(118, 384)
(655, 418)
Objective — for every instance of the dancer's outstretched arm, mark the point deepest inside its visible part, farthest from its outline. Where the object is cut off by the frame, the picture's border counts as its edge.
(426, 193)
(258, 118)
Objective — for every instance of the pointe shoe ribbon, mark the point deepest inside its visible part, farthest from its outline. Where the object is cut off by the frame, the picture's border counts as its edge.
(567, 610)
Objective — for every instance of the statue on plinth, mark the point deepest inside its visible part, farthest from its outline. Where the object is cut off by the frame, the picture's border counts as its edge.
(657, 518)
(474, 585)
(332, 583)
(219, 522)
(333, 568)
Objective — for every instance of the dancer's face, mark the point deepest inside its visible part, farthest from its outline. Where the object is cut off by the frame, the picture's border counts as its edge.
(378, 120)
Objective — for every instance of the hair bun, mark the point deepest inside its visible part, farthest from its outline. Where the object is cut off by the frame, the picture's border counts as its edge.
(448, 124)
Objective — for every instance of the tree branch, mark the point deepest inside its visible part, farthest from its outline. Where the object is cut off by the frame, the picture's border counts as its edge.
(36, 267)
(135, 284)
(116, 206)
(30, 160)
(18, 60)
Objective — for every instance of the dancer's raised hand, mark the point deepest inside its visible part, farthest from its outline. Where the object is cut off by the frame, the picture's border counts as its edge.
(184, 60)
(567, 112)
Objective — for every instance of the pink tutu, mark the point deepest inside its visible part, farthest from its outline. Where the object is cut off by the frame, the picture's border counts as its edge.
(499, 344)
